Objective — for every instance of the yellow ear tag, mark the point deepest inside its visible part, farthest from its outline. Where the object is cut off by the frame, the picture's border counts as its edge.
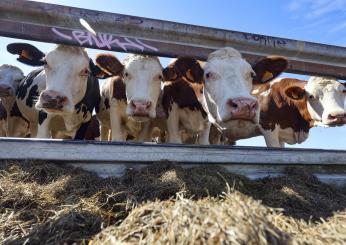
(26, 55)
(267, 76)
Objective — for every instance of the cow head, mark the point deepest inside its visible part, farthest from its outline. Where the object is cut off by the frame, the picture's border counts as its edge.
(324, 98)
(10, 77)
(67, 71)
(228, 81)
(142, 76)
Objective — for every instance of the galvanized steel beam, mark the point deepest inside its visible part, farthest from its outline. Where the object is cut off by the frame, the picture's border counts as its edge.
(61, 24)
(113, 159)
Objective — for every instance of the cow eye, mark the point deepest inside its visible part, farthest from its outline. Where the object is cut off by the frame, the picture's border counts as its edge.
(344, 91)
(84, 72)
(126, 74)
(311, 96)
(209, 75)
(159, 77)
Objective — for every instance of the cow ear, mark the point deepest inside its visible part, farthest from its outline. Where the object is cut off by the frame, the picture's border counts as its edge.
(295, 93)
(186, 67)
(97, 71)
(269, 68)
(109, 64)
(28, 54)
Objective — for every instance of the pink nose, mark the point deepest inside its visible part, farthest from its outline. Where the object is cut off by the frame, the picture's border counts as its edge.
(243, 108)
(140, 107)
(5, 90)
(50, 99)
(339, 117)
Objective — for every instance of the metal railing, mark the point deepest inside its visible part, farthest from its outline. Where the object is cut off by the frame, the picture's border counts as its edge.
(61, 24)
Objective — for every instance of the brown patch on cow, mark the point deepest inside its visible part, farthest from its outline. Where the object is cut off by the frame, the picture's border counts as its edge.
(183, 94)
(278, 108)
(269, 68)
(118, 88)
(3, 112)
(186, 67)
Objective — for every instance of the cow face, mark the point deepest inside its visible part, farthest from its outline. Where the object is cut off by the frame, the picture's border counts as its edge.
(228, 84)
(67, 70)
(142, 76)
(10, 77)
(325, 100)
(224, 90)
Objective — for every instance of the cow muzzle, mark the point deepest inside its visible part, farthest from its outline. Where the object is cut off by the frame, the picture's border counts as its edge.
(336, 118)
(140, 108)
(52, 101)
(242, 109)
(5, 91)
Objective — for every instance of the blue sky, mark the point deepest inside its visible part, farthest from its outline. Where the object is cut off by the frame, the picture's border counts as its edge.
(322, 21)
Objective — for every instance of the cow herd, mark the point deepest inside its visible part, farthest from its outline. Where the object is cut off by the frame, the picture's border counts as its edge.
(218, 101)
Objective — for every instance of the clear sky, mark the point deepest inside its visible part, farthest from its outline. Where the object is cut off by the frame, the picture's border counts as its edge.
(322, 21)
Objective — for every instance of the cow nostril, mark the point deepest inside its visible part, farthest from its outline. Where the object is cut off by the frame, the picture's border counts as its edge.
(148, 104)
(232, 104)
(336, 116)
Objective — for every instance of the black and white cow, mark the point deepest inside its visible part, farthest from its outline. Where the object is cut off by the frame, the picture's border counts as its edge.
(59, 97)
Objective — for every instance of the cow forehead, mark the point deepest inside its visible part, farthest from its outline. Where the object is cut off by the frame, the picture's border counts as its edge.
(74, 56)
(228, 66)
(318, 85)
(138, 63)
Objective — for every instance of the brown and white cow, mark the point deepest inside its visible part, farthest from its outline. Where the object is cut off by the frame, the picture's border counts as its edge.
(290, 107)
(15, 124)
(59, 97)
(185, 115)
(129, 99)
(225, 91)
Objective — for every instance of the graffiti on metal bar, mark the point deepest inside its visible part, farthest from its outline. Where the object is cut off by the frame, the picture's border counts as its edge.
(265, 40)
(103, 40)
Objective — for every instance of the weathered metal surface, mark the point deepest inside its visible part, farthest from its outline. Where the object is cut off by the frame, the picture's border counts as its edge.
(60, 24)
(113, 159)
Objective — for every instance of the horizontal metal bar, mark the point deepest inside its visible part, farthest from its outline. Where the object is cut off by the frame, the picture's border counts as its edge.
(62, 150)
(60, 24)
(113, 159)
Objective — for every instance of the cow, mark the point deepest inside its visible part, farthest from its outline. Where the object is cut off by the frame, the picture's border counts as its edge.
(58, 98)
(291, 107)
(225, 90)
(186, 118)
(3, 121)
(129, 98)
(15, 125)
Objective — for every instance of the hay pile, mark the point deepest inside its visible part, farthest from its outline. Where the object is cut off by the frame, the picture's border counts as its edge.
(43, 203)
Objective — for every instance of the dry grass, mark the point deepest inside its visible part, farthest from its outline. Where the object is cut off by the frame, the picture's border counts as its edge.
(42, 203)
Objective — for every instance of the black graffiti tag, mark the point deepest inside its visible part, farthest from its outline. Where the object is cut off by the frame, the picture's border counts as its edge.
(265, 40)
